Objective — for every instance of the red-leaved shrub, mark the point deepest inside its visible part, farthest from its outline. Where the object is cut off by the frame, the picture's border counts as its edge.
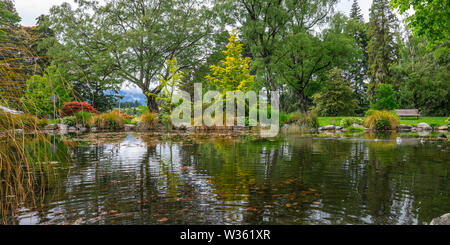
(70, 108)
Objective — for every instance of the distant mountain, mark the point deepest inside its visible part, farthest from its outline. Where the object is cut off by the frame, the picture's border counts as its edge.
(132, 95)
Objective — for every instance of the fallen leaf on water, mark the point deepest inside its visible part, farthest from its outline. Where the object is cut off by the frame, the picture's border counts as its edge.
(162, 220)
(311, 189)
(316, 203)
(183, 169)
(288, 205)
(252, 209)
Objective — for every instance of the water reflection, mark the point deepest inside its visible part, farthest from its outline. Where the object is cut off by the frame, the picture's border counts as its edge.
(145, 179)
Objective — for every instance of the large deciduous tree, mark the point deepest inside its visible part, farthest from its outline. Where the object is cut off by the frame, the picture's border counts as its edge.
(430, 18)
(130, 40)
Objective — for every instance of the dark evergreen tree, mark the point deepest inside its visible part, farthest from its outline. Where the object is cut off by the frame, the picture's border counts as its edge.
(382, 46)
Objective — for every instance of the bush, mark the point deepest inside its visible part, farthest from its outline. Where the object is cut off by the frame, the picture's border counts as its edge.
(71, 121)
(385, 98)
(149, 119)
(448, 121)
(381, 120)
(70, 108)
(43, 122)
(309, 119)
(123, 114)
(109, 121)
(82, 117)
(349, 121)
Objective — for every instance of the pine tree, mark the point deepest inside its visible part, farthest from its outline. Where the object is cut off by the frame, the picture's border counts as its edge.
(233, 73)
(337, 98)
(355, 13)
(357, 75)
(382, 46)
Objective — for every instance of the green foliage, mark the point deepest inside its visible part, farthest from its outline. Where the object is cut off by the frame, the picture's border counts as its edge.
(423, 76)
(381, 120)
(43, 122)
(233, 73)
(69, 120)
(337, 98)
(309, 119)
(110, 120)
(19, 121)
(349, 121)
(382, 46)
(430, 18)
(385, 98)
(83, 117)
(40, 88)
(352, 129)
(164, 99)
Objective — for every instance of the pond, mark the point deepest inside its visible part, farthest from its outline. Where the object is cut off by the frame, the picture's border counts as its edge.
(142, 178)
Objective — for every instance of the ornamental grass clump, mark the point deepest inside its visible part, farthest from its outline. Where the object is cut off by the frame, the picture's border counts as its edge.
(149, 120)
(109, 121)
(381, 120)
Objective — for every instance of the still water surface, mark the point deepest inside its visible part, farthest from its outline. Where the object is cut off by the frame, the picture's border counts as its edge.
(143, 179)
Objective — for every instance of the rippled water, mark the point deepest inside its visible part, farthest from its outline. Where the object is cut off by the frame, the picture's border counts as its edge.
(143, 179)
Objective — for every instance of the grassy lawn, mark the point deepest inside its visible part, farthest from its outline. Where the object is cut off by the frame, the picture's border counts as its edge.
(432, 121)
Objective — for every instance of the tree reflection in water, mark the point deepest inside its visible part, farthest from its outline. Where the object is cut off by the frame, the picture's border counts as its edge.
(148, 179)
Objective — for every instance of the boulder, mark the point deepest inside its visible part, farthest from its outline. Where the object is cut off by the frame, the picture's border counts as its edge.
(63, 127)
(443, 220)
(423, 126)
(442, 137)
(328, 128)
(82, 129)
(129, 127)
(338, 128)
(443, 127)
(51, 127)
(405, 127)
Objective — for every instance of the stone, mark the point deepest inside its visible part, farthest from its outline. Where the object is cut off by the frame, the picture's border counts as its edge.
(405, 127)
(63, 127)
(328, 127)
(338, 128)
(51, 127)
(443, 220)
(82, 129)
(72, 129)
(423, 126)
(94, 129)
(129, 127)
(443, 127)
(442, 137)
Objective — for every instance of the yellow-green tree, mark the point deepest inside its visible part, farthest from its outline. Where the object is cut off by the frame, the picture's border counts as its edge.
(233, 73)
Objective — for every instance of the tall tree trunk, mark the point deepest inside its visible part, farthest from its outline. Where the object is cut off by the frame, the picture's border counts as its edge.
(151, 103)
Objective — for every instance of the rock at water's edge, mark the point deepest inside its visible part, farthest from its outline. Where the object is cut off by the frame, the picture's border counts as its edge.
(443, 220)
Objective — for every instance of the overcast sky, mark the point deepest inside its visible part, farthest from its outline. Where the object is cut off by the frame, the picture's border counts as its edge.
(29, 10)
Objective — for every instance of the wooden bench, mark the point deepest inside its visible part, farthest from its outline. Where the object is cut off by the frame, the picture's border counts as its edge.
(408, 113)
